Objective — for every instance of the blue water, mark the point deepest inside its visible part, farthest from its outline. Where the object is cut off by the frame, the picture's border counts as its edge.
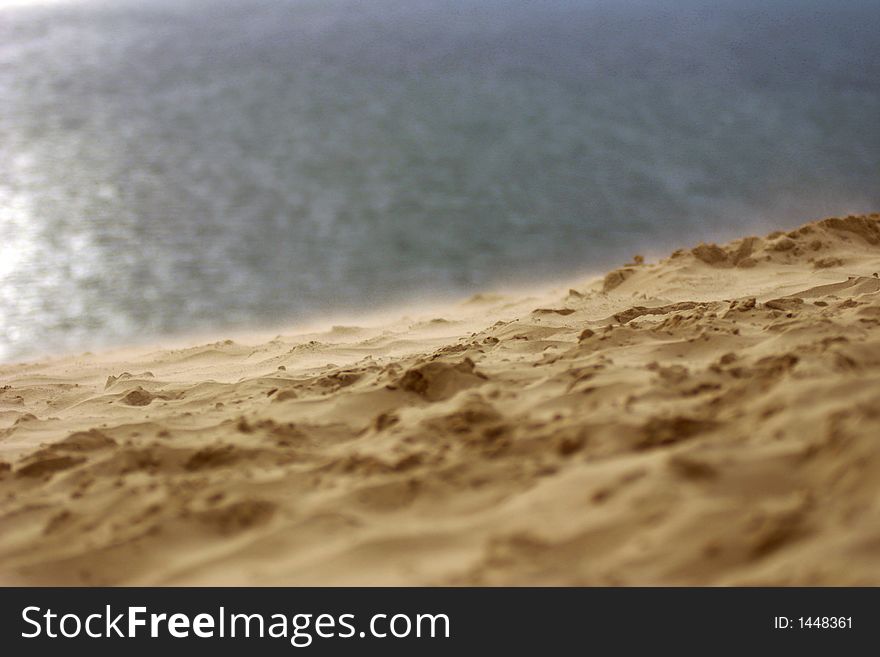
(177, 166)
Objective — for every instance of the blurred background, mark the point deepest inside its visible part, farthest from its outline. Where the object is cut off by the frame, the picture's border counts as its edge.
(178, 166)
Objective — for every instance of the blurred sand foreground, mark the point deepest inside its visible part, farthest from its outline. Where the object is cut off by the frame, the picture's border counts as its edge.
(710, 419)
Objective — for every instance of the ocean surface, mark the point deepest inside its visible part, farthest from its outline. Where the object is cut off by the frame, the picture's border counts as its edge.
(178, 166)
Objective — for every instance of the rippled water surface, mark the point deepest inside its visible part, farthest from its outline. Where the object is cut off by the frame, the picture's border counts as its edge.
(168, 167)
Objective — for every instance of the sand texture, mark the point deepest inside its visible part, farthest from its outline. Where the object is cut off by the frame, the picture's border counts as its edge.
(710, 419)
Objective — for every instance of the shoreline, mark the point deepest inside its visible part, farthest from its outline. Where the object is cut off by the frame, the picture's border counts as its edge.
(707, 419)
(379, 314)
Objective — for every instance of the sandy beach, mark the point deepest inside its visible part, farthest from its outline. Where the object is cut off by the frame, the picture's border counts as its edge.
(709, 419)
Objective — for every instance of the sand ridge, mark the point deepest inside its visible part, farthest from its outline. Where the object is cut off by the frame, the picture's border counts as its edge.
(712, 418)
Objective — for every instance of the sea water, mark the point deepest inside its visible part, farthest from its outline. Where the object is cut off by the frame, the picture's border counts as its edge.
(178, 166)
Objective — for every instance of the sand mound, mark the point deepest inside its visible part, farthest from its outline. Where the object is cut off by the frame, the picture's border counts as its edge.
(708, 419)
(438, 380)
(817, 243)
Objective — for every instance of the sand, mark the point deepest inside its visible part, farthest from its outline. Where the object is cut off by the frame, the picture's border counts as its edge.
(709, 419)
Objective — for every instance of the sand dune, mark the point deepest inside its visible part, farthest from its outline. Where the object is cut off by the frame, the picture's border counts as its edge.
(713, 418)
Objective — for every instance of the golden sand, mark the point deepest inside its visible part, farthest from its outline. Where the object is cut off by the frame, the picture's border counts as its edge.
(713, 418)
